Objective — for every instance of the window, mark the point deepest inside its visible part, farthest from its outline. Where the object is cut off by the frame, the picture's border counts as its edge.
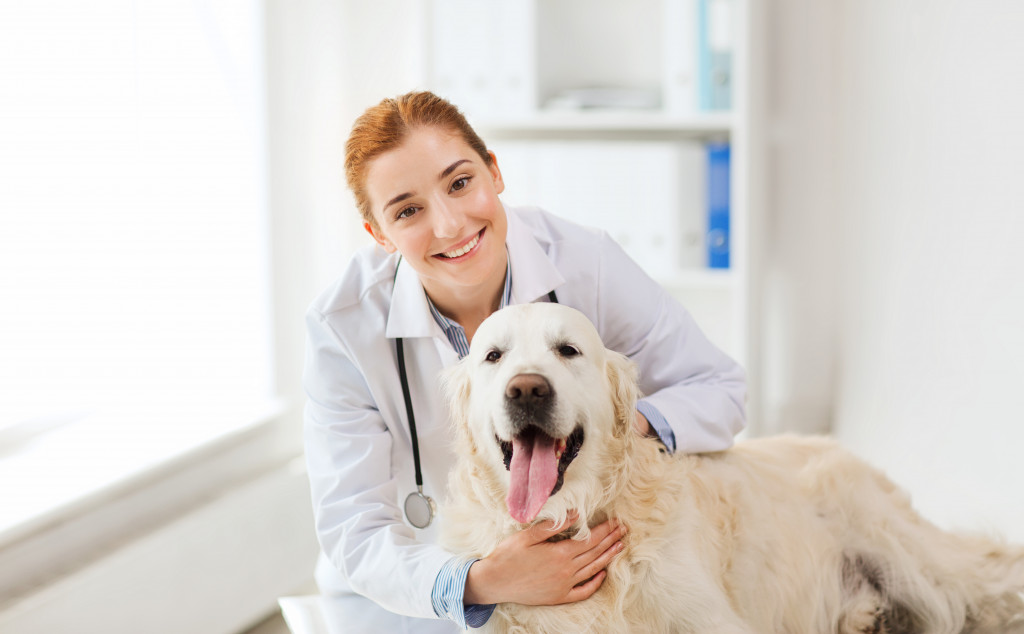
(134, 272)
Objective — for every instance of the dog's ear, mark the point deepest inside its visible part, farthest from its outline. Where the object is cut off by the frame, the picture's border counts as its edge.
(455, 384)
(622, 378)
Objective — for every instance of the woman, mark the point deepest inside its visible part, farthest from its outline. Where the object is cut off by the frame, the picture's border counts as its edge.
(448, 254)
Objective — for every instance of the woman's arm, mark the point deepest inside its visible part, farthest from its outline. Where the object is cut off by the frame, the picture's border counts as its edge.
(699, 390)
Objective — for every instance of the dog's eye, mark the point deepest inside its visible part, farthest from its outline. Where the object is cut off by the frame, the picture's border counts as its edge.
(568, 351)
(493, 356)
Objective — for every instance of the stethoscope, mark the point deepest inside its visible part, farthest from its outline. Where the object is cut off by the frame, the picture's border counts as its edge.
(419, 507)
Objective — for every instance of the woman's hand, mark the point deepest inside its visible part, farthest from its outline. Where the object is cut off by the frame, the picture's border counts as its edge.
(643, 427)
(526, 568)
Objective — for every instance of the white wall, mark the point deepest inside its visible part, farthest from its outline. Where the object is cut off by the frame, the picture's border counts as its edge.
(798, 316)
(931, 156)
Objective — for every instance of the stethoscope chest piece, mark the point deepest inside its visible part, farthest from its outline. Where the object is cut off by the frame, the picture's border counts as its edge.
(419, 509)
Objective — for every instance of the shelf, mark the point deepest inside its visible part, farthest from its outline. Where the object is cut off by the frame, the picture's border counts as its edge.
(699, 279)
(570, 123)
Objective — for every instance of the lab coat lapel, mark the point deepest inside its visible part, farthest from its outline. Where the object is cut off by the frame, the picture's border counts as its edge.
(534, 275)
(409, 315)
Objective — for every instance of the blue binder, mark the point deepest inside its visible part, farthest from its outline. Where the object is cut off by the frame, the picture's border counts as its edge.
(718, 201)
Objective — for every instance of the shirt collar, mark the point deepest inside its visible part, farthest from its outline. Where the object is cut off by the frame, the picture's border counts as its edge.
(447, 324)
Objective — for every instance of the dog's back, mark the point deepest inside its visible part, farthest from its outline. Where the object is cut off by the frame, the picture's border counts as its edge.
(812, 520)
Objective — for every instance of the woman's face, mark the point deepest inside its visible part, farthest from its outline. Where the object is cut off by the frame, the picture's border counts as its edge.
(436, 202)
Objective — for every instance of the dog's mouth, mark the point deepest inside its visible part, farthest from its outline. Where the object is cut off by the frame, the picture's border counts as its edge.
(536, 463)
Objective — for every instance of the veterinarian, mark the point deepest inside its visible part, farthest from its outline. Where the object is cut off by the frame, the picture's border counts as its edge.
(449, 253)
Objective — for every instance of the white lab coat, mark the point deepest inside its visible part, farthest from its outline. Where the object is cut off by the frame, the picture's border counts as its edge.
(357, 441)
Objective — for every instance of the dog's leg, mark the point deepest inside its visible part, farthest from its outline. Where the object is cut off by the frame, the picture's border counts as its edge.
(864, 606)
(864, 615)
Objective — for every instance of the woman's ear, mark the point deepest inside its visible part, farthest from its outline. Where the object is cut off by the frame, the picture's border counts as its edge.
(379, 237)
(499, 183)
(622, 379)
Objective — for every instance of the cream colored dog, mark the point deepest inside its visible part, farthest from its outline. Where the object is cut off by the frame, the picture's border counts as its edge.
(788, 535)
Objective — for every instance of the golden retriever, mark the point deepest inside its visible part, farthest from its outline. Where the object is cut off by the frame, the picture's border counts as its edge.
(788, 535)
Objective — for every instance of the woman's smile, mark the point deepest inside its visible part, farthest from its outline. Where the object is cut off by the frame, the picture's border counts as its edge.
(463, 250)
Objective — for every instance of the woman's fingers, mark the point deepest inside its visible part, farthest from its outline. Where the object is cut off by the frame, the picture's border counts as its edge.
(543, 531)
(602, 538)
(584, 590)
(599, 557)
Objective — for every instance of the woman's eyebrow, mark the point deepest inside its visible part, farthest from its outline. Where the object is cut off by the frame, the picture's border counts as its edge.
(451, 168)
(397, 199)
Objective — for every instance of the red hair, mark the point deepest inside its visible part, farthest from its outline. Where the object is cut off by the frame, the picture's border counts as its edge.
(385, 126)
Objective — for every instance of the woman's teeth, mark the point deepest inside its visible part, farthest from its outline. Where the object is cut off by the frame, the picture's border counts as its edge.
(464, 250)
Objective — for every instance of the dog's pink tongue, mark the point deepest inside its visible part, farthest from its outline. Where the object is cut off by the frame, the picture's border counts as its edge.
(533, 471)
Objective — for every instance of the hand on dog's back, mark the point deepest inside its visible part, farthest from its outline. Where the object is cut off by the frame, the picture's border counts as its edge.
(528, 569)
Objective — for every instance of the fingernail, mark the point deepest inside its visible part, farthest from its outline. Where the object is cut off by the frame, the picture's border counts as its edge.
(619, 546)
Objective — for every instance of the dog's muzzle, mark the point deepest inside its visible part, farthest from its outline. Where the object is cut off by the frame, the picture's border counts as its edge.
(529, 400)
(537, 456)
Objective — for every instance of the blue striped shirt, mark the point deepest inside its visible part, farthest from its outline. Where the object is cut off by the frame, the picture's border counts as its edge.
(450, 585)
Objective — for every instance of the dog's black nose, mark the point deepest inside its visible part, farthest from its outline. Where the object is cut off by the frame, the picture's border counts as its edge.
(527, 390)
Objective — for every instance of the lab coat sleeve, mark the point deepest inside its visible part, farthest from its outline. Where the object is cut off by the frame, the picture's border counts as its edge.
(349, 459)
(699, 389)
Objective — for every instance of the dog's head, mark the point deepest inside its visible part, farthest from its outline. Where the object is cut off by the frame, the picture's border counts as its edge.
(539, 401)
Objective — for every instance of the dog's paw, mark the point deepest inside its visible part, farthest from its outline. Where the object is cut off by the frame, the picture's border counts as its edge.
(865, 618)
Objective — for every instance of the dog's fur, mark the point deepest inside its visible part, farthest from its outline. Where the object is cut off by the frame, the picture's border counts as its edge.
(789, 535)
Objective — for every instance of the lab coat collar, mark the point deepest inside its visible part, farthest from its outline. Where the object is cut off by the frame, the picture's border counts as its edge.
(409, 315)
(534, 275)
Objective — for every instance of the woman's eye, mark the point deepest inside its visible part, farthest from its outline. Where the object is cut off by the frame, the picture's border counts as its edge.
(405, 213)
(493, 356)
(460, 184)
(568, 351)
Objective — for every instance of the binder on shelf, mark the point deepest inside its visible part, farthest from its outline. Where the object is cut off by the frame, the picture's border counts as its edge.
(680, 37)
(718, 205)
(482, 56)
(714, 42)
(660, 224)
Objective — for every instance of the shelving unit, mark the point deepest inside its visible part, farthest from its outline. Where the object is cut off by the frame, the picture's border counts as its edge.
(600, 122)
(513, 66)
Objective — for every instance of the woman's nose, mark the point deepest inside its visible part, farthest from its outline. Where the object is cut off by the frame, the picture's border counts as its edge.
(448, 221)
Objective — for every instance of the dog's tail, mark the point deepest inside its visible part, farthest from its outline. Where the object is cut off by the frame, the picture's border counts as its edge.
(984, 578)
(942, 583)
(994, 582)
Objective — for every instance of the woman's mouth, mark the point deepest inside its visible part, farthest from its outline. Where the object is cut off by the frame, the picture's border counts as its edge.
(463, 250)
